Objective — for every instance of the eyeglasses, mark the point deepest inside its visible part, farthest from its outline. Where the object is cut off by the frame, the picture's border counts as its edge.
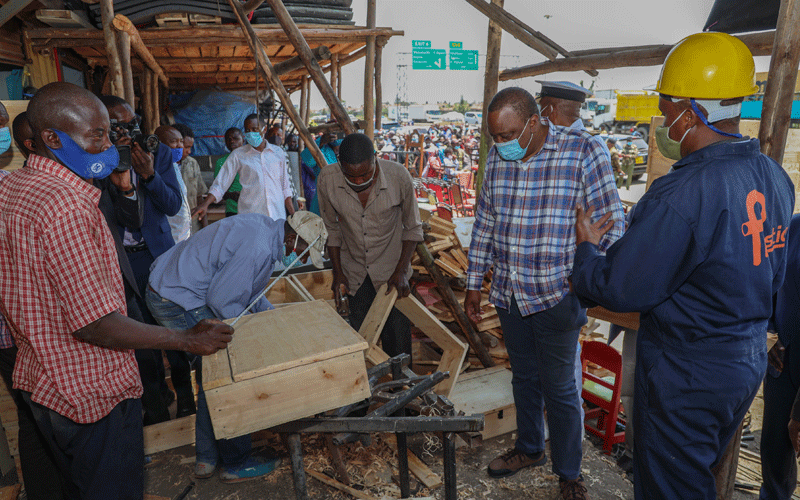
(666, 97)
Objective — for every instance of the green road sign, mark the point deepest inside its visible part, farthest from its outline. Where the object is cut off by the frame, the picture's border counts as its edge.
(428, 59)
(463, 59)
(456, 45)
(421, 44)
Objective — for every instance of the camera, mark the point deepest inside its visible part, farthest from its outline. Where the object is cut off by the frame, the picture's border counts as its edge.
(149, 143)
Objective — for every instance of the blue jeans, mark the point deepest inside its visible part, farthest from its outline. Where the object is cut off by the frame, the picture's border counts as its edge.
(541, 348)
(231, 452)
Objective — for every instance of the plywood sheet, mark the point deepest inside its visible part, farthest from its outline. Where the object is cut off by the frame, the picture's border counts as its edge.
(277, 340)
(264, 402)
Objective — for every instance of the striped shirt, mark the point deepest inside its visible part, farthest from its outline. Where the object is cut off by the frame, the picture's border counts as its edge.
(6, 339)
(525, 218)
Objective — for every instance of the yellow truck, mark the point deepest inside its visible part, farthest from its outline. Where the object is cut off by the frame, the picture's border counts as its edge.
(630, 113)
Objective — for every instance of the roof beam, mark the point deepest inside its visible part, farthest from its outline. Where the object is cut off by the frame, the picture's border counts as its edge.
(11, 9)
(122, 24)
(760, 44)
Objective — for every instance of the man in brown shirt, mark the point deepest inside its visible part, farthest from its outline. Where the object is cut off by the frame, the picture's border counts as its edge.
(370, 211)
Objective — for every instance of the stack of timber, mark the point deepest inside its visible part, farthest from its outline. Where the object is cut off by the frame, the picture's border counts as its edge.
(451, 259)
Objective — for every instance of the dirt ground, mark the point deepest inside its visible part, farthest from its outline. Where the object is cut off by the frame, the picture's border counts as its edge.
(171, 474)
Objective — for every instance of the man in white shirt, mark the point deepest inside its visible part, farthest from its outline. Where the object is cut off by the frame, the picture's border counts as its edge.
(262, 169)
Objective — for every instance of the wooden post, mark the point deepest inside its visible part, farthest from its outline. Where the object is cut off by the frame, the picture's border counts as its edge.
(308, 100)
(775, 117)
(123, 24)
(369, 74)
(147, 101)
(296, 38)
(124, 47)
(378, 87)
(335, 73)
(725, 471)
(339, 81)
(155, 101)
(114, 65)
(489, 90)
(268, 70)
(303, 92)
(452, 303)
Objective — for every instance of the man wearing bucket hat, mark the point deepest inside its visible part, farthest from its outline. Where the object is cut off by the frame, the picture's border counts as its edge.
(217, 273)
(703, 256)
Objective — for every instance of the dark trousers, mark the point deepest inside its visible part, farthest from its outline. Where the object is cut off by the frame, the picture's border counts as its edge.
(541, 348)
(778, 462)
(396, 333)
(151, 364)
(687, 411)
(40, 474)
(100, 460)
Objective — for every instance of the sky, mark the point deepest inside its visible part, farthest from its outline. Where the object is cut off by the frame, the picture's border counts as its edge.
(573, 24)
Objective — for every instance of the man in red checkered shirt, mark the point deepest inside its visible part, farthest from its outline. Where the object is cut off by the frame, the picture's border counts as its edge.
(62, 293)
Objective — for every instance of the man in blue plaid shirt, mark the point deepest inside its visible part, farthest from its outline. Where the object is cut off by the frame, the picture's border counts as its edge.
(536, 175)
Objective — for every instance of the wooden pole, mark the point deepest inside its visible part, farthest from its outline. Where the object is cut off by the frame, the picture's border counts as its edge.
(725, 471)
(339, 80)
(114, 66)
(303, 92)
(252, 5)
(147, 101)
(776, 114)
(257, 49)
(154, 88)
(508, 22)
(124, 47)
(378, 87)
(760, 44)
(369, 74)
(308, 100)
(452, 303)
(321, 53)
(489, 90)
(123, 24)
(301, 46)
(335, 73)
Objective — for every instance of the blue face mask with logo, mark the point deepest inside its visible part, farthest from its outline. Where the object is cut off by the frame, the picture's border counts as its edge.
(253, 138)
(5, 139)
(511, 150)
(85, 165)
(288, 259)
(177, 153)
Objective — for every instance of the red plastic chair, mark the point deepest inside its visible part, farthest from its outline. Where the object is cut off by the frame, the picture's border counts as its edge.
(607, 411)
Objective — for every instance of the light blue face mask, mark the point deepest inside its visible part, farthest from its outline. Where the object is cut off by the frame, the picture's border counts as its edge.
(253, 138)
(511, 150)
(288, 260)
(5, 139)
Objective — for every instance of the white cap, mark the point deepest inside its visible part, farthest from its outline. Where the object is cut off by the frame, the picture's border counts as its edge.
(311, 229)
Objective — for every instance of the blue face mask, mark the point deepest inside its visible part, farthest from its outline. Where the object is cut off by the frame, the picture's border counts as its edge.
(511, 150)
(85, 165)
(177, 153)
(5, 139)
(288, 259)
(253, 138)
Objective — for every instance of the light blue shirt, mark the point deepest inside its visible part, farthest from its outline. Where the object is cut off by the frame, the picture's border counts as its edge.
(224, 266)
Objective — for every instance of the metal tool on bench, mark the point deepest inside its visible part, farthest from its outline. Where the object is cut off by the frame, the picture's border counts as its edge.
(414, 393)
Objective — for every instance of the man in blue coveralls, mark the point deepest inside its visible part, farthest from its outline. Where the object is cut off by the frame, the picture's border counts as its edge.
(701, 260)
(778, 455)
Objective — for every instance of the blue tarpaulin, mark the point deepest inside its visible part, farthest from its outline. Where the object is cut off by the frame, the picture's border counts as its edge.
(209, 113)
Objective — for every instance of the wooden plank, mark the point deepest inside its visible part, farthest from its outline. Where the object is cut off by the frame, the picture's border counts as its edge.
(339, 486)
(61, 18)
(454, 350)
(170, 434)
(11, 9)
(216, 370)
(270, 341)
(256, 404)
(488, 324)
(376, 317)
(425, 475)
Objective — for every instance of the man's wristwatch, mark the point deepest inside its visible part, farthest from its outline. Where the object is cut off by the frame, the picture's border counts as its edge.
(148, 180)
(129, 192)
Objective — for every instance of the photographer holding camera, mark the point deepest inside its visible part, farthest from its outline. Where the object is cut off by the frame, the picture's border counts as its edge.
(155, 181)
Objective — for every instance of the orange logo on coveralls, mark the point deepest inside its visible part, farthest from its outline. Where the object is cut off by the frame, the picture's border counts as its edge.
(754, 227)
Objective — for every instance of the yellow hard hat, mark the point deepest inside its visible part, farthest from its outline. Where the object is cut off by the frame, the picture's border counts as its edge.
(708, 66)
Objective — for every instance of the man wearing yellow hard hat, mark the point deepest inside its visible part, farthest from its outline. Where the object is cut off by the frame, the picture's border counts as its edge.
(701, 260)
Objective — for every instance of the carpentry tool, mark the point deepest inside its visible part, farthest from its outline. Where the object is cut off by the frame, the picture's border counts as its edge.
(264, 292)
(342, 303)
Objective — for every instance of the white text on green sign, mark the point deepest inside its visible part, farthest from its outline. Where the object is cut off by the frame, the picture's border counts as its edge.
(463, 59)
(421, 44)
(428, 59)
